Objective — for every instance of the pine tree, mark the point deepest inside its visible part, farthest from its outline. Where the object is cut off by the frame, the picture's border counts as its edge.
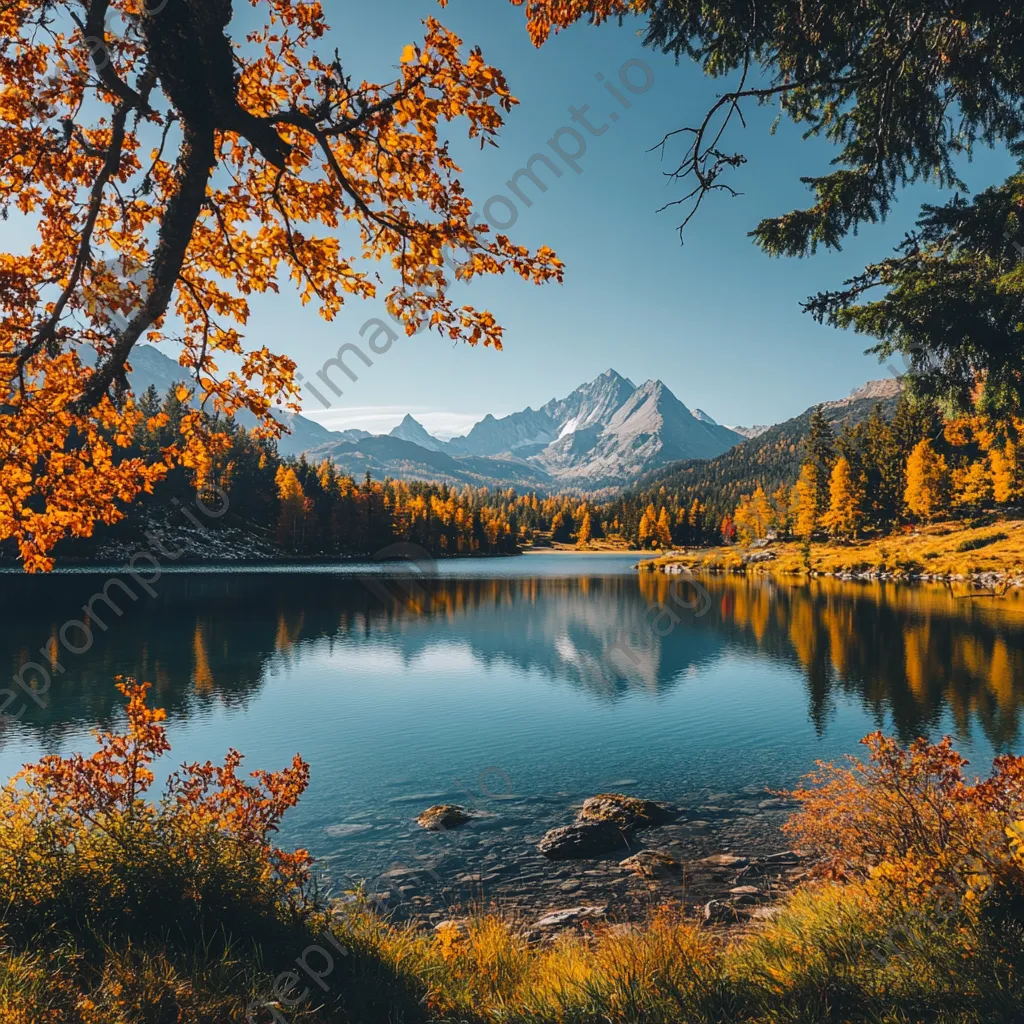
(927, 481)
(820, 453)
(846, 501)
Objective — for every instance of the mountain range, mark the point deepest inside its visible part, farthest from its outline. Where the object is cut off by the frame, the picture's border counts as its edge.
(604, 434)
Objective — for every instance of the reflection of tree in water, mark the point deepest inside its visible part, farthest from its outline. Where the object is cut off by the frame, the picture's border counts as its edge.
(909, 652)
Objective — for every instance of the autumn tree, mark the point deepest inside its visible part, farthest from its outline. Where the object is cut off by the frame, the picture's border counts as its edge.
(1007, 472)
(663, 528)
(292, 502)
(927, 481)
(753, 516)
(846, 501)
(584, 532)
(804, 502)
(169, 167)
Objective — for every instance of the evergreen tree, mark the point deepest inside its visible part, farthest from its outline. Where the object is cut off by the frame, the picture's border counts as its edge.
(820, 452)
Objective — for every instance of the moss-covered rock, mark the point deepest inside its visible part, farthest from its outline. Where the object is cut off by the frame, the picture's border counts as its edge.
(442, 817)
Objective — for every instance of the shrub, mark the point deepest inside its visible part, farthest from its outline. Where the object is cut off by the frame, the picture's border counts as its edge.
(83, 850)
(973, 543)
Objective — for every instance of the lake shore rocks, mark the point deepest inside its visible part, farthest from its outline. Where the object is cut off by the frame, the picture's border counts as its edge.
(606, 823)
(442, 817)
(628, 812)
(583, 839)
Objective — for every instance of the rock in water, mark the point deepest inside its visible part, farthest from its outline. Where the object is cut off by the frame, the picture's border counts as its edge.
(583, 839)
(441, 817)
(652, 864)
(628, 812)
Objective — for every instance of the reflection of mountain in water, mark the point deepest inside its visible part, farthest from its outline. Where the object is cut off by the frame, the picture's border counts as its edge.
(909, 652)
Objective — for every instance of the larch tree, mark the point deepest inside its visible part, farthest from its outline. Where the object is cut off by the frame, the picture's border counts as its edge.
(165, 163)
(846, 501)
(804, 502)
(1007, 473)
(585, 530)
(663, 529)
(927, 481)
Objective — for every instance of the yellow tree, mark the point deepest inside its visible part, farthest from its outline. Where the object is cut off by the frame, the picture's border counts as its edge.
(647, 528)
(292, 502)
(845, 512)
(584, 532)
(753, 516)
(663, 528)
(1007, 473)
(972, 485)
(162, 170)
(803, 502)
(927, 481)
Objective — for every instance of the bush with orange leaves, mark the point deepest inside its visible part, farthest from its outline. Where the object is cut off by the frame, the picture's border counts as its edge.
(84, 854)
(907, 820)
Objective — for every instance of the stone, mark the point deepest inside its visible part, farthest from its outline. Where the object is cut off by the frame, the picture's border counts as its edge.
(453, 927)
(583, 839)
(651, 864)
(745, 890)
(570, 885)
(567, 918)
(717, 912)
(725, 860)
(442, 817)
(628, 812)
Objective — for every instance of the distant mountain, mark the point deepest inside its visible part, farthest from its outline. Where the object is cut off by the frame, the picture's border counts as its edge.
(755, 431)
(412, 430)
(603, 434)
(590, 405)
(770, 458)
(150, 366)
(405, 460)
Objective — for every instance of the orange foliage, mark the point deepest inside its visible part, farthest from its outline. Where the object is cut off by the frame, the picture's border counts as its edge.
(164, 188)
(547, 16)
(82, 843)
(908, 816)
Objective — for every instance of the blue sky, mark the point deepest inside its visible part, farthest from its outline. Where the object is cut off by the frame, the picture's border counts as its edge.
(715, 319)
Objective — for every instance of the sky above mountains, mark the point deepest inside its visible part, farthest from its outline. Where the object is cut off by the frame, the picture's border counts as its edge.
(715, 319)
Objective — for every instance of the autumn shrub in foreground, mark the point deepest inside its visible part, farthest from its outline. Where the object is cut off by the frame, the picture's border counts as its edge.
(119, 910)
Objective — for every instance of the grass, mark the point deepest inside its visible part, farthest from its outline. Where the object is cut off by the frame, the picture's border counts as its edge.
(945, 549)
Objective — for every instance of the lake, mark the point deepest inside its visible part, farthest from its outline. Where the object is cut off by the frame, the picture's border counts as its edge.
(517, 687)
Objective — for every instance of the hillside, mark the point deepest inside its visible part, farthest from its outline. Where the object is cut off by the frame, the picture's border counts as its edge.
(770, 459)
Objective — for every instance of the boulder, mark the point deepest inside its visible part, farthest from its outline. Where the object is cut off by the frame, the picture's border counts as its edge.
(442, 817)
(651, 864)
(725, 860)
(568, 918)
(627, 812)
(582, 839)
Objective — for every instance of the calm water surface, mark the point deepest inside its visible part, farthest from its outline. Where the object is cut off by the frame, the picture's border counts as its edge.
(519, 685)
